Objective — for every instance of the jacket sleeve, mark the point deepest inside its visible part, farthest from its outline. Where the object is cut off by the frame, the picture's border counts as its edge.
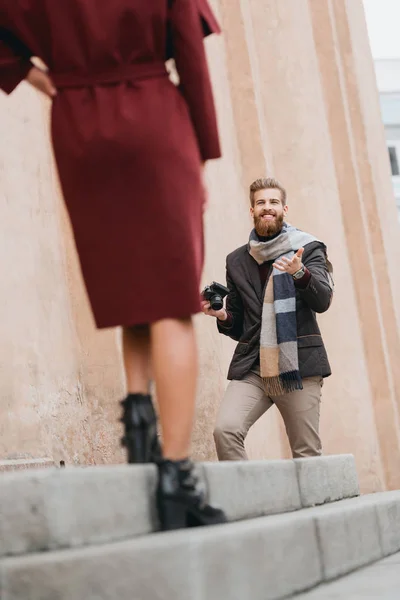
(15, 61)
(319, 291)
(189, 21)
(234, 308)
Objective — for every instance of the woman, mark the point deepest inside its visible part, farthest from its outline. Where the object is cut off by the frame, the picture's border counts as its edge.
(129, 148)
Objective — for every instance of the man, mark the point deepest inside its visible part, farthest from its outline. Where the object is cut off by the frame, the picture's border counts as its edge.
(277, 282)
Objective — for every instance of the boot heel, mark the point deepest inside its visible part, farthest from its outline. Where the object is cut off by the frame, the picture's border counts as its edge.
(172, 515)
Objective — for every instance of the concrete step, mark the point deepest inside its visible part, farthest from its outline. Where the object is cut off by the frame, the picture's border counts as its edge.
(266, 558)
(73, 507)
(381, 580)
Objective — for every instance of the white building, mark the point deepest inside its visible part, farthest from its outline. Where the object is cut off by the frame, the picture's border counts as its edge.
(388, 80)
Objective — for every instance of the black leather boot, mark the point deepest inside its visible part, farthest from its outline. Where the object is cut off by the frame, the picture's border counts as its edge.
(140, 421)
(179, 501)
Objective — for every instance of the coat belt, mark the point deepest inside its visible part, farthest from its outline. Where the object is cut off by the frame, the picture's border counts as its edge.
(118, 74)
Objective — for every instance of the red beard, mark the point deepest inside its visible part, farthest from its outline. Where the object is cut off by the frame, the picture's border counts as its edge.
(268, 228)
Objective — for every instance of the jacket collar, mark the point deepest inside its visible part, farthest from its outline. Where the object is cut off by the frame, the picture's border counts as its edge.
(253, 274)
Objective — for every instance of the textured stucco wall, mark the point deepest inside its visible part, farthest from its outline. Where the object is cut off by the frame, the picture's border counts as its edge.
(296, 98)
(58, 376)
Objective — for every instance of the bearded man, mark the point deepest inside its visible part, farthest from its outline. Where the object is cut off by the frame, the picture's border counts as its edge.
(277, 283)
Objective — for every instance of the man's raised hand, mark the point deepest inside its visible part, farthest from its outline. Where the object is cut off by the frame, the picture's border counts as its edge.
(290, 266)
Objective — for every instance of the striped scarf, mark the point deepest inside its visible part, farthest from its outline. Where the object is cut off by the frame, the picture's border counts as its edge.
(279, 362)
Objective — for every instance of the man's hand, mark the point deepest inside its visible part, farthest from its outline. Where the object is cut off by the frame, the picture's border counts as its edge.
(41, 81)
(221, 315)
(290, 266)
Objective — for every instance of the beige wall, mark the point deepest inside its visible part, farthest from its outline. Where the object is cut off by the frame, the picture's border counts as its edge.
(296, 97)
(59, 377)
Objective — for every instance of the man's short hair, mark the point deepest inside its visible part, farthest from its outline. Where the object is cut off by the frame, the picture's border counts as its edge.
(266, 183)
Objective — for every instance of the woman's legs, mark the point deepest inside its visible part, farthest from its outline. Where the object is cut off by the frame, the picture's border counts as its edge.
(173, 351)
(168, 348)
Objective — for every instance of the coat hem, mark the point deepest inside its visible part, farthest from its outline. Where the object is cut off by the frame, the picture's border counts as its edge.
(148, 319)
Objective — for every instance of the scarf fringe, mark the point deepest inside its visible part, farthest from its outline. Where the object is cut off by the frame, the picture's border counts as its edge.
(283, 384)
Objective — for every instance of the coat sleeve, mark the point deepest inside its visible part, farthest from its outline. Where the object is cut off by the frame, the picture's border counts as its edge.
(15, 61)
(234, 308)
(189, 22)
(319, 291)
(208, 21)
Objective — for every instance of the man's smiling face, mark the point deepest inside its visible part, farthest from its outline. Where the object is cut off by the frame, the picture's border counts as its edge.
(268, 212)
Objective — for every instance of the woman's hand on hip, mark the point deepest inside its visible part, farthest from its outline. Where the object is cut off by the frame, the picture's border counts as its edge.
(41, 81)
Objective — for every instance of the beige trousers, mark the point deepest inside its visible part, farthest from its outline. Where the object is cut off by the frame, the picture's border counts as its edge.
(245, 402)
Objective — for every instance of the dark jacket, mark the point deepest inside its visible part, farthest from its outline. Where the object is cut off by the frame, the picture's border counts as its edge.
(245, 303)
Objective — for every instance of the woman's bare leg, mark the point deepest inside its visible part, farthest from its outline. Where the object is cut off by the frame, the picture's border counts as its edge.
(175, 369)
(170, 346)
(137, 359)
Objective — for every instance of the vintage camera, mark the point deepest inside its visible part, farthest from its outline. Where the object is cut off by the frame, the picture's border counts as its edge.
(215, 294)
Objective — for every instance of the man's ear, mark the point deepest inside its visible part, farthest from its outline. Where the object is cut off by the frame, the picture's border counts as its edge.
(285, 210)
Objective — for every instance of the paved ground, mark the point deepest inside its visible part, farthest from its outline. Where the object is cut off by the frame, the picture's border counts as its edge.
(380, 581)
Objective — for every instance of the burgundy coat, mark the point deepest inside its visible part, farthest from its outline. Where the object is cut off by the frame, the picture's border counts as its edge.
(128, 143)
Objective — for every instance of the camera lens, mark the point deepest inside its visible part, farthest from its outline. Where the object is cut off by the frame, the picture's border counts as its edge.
(216, 302)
